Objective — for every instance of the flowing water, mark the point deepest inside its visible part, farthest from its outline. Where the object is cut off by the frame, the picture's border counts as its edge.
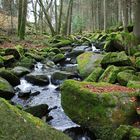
(51, 96)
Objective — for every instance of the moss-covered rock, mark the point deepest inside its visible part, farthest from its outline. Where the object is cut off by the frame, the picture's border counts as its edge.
(1, 62)
(94, 76)
(126, 132)
(10, 77)
(62, 43)
(12, 51)
(20, 71)
(125, 76)
(133, 84)
(6, 90)
(26, 62)
(87, 62)
(8, 60)
(58, 57)
(101, 107)
(110, 74)
(117, 59)
(19, 125)
(20, 50)
(37, 79)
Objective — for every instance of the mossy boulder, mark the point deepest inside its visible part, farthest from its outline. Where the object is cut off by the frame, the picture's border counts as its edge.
(94, 76)
(19, 125)
(37, 79)
(20, 71)
(9, 76)
(101, 107)
(8, 60)
(61, 43)
(58, 57)
(6, 90)
(127, 132)
(26, 62)
(1, 62)
(124, 77)
(116, 58)
(133, 84)
(110, 74)
(87, 62)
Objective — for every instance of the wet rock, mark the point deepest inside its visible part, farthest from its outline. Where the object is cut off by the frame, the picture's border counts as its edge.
(6, 90)
(110, 74)
(20, 71)
(87, 62)
(10, 77)
(101, 107)
(37, 79)
(125, 76)
(24, 94)
(117, 59)
(50, 64)
(35, 93)
(58, 77)
(38, 111)
(75, 53)
(17, 124)
(94, 76)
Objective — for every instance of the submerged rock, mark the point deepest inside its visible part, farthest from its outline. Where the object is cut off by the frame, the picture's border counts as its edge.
(87, 62)
(117, 59)
(37, 79)
(6, 90)
(101, 107)
(19, 125)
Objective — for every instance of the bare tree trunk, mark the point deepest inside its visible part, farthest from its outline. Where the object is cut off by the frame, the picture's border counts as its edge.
(105, 16)
(60, 16)
(56, 17)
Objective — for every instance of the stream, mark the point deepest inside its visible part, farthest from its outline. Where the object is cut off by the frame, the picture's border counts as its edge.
(51, 96)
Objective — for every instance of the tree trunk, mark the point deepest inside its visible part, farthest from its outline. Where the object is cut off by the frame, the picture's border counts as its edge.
(105, 16)
(137, 20)
(60, 16)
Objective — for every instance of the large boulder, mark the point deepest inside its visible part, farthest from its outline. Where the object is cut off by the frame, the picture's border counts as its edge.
(110, 74)
(6, 90)
(102, 107)
(10, 77)
(19, 125)
(87, 62)
(37, 79)
(12, 51)
(116, 58)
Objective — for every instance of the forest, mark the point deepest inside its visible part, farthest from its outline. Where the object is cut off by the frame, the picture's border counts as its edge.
(69, 69)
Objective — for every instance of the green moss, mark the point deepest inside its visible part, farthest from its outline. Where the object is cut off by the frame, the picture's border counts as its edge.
(100, 111)
(94, 76)
(138, 62)
(58, 57)
(125, 76)
(61, 43)
(35, 56)
(110, 74)
(133, 84)
(19, 125)
(20, 50)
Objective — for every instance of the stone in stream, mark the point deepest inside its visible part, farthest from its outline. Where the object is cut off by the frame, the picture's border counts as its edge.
(16, 124)
(6, 90)
(20, 71)
(116, 58)
(58, 57)
(9, 76)
(38, 111)
(101, 107)
(37, 79)
(87, 62)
